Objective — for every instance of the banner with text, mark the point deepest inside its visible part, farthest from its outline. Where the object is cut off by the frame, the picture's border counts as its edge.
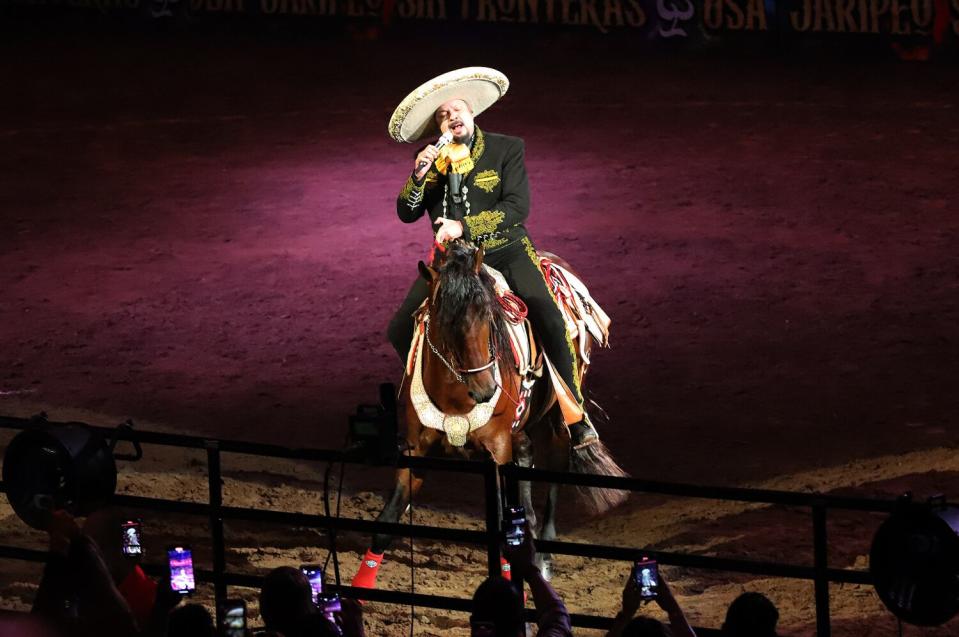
(913, 26)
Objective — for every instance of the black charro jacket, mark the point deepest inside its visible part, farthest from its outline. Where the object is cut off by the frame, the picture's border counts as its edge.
(496, 193)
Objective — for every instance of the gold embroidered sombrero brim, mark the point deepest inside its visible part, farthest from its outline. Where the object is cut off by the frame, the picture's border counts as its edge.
(479, 86)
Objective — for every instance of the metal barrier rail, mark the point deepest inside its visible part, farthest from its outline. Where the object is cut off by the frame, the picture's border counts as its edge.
(819, 572)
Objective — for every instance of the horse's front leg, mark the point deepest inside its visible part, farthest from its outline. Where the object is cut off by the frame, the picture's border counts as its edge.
(408, 484)
(396, 506)
(548, 532)
(523, 457)
(557, 459)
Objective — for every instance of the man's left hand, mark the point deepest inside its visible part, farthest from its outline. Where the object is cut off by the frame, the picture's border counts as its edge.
(449, 229)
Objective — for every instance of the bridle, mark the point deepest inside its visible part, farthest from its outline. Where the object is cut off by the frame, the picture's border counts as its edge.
(459, 373)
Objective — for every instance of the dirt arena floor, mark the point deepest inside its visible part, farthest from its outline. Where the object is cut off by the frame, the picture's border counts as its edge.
(198, 234)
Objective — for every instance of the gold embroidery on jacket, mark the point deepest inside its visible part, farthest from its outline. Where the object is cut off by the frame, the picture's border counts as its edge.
(486, 180)
(407, 189)
(412, 194)
(484, 222)
(479, 145)
(494, 243)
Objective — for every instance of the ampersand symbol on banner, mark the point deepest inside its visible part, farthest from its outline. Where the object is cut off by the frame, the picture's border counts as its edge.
(675, 15)
(161, 8)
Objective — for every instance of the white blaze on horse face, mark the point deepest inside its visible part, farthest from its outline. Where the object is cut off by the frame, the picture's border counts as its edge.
(455, 116)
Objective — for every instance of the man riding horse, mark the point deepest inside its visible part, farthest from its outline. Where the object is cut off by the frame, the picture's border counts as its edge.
(475, 187)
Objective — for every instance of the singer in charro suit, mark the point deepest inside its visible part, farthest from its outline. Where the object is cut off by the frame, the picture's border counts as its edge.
(476, 188)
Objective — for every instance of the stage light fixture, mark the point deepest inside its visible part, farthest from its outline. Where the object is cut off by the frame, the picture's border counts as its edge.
(914, 561)
(49, 467)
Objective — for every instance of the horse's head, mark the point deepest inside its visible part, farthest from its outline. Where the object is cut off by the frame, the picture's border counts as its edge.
(465, 319)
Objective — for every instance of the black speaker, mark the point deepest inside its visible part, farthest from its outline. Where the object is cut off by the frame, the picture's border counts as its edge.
(914, 562)
(49, 467)
(374, 429)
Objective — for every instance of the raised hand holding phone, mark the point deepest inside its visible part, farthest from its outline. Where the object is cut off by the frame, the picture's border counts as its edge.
(665, 599)
(521, 557)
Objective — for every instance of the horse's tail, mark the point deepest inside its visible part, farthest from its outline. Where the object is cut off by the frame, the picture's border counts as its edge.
(597, 459)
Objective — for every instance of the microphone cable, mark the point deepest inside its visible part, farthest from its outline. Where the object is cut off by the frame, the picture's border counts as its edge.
(331, 534)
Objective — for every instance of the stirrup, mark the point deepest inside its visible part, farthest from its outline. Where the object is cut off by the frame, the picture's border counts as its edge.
(586, 434)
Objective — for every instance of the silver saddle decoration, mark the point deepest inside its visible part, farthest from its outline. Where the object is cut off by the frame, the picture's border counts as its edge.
(457, 427)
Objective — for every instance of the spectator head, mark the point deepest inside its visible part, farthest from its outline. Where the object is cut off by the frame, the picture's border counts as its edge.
(191, 620)
(286, 599)
(23, 625)
(644, 627)
(497, 610)
(751, 615)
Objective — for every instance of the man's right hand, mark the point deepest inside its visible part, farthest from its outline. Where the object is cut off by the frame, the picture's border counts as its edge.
(428, 155)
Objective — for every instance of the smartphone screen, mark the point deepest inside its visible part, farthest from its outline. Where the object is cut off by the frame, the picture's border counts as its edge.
(516, 515)
(131, 538)
(314, 573)
(234, 618)
(329, 603)
(514, 525)
(181, 569)
(646, 574)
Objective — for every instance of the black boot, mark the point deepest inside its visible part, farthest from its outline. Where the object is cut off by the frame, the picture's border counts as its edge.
(582, 434)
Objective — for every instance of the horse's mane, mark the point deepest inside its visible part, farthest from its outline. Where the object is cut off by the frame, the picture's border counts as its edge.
(465, 296)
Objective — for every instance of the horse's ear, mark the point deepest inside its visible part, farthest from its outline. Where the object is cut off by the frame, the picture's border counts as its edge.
(427, 272)
(478, 260)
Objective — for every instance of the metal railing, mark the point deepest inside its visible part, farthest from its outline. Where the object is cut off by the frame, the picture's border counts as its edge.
(819, 572)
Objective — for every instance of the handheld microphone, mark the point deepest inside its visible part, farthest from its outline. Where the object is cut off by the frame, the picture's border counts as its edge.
(445, 139)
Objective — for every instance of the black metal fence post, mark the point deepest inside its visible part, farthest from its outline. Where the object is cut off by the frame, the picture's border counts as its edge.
(216, 525)
(821, 566)
(510, 484)
(492, 493)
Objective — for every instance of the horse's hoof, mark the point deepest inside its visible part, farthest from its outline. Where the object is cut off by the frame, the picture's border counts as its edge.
(545, 567)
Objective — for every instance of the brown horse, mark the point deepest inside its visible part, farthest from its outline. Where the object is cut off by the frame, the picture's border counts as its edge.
(466, 360)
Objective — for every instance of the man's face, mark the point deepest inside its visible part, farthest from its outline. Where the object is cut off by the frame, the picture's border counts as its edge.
(455, 116)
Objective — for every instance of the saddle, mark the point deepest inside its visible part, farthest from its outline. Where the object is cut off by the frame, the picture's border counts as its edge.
(584, 319)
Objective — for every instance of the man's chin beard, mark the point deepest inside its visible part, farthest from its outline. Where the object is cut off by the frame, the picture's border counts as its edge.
(463, 137)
